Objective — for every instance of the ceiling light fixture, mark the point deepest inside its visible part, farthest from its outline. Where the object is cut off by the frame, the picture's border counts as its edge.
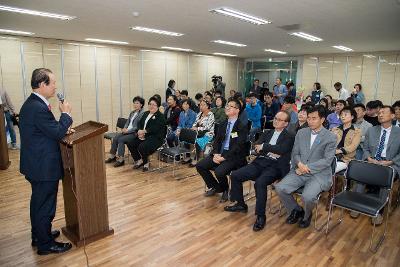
(306, 36)
(275, 51)
(36, 13)
(177, 48)
(239, 15)
(15, 32)
(229, 43)
(144, 29)
(105, 41)
(369, 56)
(343, 48)
(224, 54)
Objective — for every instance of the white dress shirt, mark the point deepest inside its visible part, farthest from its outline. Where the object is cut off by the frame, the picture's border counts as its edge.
(132, 119)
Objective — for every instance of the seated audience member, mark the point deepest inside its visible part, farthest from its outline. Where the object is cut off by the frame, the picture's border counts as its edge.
(287, 106)
(199, 97)
(163, 106)
(150, 136)
(219, 110)
(172, 117)
(308, 99)
(312, 155)
(291, 89)
(178, 96)
(317, 94)
(357, 94)
(382, 146)
(209, 98)
(270, 110)
(371, 115)
(204, 125)
(331, 107)
(128, 133)
(192, 104)
(272, 163)
(265, 86)
(186, 118)
(244, 119)
(229, 153)
(253, 110)
(333, 118)
(256, 89)
(348, 138)
(301, 123)
(363, 125)
(396, 107)
(231, 94)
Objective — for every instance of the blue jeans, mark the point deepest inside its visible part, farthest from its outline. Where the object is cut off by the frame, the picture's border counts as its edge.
(10, 127)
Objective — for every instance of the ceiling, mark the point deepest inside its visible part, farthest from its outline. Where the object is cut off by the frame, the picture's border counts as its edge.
(363, 25)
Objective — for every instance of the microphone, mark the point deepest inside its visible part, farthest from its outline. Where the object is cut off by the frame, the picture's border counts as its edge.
(60, 97)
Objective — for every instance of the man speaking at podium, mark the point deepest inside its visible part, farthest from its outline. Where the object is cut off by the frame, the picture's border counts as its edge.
(40, 159)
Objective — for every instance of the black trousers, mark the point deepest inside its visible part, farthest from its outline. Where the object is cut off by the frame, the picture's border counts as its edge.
(264, 172)
(42, 211)
(221, 171)
(140, 149)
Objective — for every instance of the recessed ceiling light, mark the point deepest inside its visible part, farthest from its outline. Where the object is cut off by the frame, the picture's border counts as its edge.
(144, 29)
(36, 13)
(149, 50)
(15, 32)
(228, 43)
(177, 48)
(341, 47)
(369, 56)
(105, 41)
(201, 55)
(239, 15)
(306, 36)
(275, 51)
(224, 54)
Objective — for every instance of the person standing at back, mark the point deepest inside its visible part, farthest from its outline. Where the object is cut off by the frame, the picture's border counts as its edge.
(9, 111)
(280, 90)
(40, 158)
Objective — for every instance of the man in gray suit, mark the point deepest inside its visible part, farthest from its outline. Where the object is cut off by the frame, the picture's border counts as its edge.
(382, 146)
(128, 134)
(312, 156)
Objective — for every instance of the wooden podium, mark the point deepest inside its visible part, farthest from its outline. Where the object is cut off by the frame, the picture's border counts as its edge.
(4, 159)
(84, 184)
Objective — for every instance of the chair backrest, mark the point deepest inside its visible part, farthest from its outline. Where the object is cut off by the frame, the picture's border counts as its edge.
(121, 122)
(247, 146)
(370, 174)
(333, 165)
(188, 136)
(249, 123)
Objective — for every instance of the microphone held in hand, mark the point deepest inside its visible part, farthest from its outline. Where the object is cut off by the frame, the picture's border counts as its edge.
(60, 97)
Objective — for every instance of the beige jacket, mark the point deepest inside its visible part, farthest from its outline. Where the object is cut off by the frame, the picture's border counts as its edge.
(351, 142)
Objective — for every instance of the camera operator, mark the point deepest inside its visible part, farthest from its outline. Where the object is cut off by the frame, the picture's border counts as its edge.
(218, 84)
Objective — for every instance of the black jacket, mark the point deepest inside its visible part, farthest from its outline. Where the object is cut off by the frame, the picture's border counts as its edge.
(238, 149)
(283, 147)
(173, 119)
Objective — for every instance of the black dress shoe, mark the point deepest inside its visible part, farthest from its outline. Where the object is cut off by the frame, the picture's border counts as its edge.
(294, 216)
(56, 248)
(304, 223)
(54, 234)
(236, 208)
(119, 164)
(145, 168)
(110, 160)
(210, 192)
(259, 224)
(137, 166)
(224, 197)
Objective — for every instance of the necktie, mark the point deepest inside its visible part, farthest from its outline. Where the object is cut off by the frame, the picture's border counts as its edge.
(227, 136)
(381, 145)
(49, 107)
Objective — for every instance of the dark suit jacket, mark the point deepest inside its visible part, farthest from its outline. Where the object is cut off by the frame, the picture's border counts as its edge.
(40, 158)
(237, 145)
(156, 130)
(173, 119)
(283, 147)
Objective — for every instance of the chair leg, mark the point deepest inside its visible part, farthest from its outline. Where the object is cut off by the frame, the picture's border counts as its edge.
(273, 209)
(322, 225)
(248, 194)
(375, 248)
(340, 219)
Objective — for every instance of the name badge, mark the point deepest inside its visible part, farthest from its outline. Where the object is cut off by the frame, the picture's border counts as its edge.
(234, 135)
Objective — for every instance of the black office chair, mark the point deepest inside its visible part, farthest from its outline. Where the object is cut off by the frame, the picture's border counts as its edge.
(178, 153)
(120, 125)
(367, 204)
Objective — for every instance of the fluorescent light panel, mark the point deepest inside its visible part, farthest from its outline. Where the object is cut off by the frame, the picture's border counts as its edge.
(224, 54)
(341, 47)
(144, 29)
(105, 41)
(369, 56)
(306, 36)
(177, 48)
(228, 43)
(239, 15)
(275, 51)
(36, 13)
(15, 32)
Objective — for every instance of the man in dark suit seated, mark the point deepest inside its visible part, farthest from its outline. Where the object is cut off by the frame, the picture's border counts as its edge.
(272, 163)
(229, 152)
(313, 152)
(40, 158)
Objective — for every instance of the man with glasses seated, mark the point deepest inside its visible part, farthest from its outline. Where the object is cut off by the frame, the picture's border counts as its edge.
(272, 163)
(229, 152)
(313, 152)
